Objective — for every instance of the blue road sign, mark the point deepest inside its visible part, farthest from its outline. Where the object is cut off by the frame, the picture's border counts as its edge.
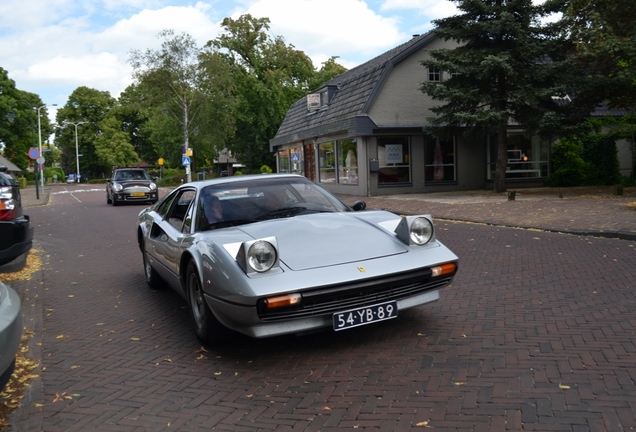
(185, 161)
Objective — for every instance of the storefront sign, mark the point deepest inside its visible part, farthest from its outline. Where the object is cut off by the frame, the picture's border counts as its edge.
(394, 153)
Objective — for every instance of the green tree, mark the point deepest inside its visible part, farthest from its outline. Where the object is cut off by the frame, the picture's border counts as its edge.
(328, 70)
(132, 112)
(90, 106)
(269, 76)
(21, 132)
(216, 126)
(605, 34)
(173, 72)
(112, 146)
(507, 68)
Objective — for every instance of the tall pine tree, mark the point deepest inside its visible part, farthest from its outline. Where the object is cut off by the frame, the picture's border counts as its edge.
(506, 69)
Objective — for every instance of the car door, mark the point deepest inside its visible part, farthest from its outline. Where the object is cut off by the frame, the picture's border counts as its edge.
(167, 234)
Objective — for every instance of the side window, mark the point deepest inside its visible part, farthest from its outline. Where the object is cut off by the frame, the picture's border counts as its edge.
(187, 222)
(162, 210)
(180, 205)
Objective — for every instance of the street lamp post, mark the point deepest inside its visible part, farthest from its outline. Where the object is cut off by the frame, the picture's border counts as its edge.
(11, 116)
(40, 143)
(77, 172)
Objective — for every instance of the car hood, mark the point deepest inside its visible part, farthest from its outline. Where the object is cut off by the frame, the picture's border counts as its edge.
(134, 183)
(326, 239)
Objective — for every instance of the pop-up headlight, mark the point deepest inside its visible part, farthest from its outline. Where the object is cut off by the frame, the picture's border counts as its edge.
(258, 256)
(415, 230)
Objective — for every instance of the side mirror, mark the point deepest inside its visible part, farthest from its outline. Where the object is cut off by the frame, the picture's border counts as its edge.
(359, 206)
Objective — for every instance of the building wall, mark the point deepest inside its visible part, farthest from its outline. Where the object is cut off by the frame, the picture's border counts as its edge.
(400, 102)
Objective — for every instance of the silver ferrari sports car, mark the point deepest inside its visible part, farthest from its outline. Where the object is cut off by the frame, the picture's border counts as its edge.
(267, 255)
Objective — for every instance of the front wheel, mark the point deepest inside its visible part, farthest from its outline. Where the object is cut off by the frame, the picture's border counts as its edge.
(207, 328)
(153, 279)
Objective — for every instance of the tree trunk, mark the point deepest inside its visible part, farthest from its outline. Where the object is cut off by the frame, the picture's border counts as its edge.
(502, 160)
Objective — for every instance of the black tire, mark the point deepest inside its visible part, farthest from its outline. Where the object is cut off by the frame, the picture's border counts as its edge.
(153, 279)
(108, 200)
(207, 328)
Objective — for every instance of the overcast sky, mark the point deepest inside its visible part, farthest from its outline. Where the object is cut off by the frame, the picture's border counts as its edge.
(51, 47)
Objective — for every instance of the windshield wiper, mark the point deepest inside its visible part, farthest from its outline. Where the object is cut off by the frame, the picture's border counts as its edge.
(229, 223)
(281, 212)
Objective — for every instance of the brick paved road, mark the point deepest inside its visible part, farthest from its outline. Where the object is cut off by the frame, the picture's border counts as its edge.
(536, 333)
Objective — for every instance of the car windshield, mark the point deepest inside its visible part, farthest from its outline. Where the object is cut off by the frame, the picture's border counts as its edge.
(131, 175)
(241, 202)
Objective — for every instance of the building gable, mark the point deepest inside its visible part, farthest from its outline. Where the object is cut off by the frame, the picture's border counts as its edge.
(349, 96)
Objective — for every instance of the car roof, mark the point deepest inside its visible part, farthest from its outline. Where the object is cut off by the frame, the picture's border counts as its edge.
(245, 178)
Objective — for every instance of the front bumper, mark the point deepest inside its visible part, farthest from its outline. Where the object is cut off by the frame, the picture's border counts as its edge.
(408, 289)
(16, 238)
(251, 326)
(136, 196)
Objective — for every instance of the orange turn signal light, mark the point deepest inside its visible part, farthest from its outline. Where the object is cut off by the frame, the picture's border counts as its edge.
(282, 301)
(444, 269)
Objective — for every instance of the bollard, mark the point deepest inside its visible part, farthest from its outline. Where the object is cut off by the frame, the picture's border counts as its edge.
(512, 195)
(618, 189)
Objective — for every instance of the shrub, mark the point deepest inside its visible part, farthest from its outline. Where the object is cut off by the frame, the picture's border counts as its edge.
(569, 168)
(591, 159)
(600, 149)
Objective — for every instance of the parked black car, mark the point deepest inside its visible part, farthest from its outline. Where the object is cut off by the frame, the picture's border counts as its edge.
(131, 185)
(16, 232)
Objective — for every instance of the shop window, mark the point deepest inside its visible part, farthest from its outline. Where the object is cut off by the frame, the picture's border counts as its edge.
(341, 158)
(347, 161)
(439, 161)
(283, 161)
(394, 160)
(327, 162)
(526, 158)
(295, 160)
(289, 161)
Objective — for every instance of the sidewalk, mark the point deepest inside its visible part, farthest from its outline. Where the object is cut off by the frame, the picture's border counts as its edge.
(594, 211)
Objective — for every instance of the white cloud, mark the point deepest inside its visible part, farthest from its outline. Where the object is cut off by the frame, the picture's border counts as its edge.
(54, 46)
(97, 69)
(140, 30)
(325, 28)
(428, 9)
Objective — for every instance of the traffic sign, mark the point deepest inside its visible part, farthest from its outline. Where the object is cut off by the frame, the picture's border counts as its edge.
(185, 161)
(34, 153)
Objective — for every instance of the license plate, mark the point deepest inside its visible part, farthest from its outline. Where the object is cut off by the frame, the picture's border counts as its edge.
(364, 315)
(138, 194)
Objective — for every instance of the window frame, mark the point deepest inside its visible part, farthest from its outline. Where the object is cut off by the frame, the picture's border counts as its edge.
(396, 167)
(446, 164)
(434, 74)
